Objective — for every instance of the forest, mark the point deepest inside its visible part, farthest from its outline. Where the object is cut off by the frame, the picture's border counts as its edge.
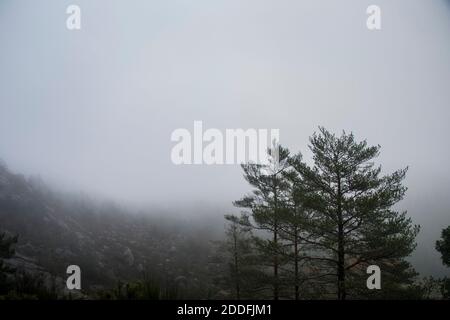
(308, 228)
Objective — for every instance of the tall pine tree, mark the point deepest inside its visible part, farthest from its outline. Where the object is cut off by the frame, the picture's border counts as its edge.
(354, 224)
(266, 205)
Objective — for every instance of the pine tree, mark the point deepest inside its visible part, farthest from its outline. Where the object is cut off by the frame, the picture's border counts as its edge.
(237, 255)
(266, 204)
(293, 229)
(443, 246)
(353, 222)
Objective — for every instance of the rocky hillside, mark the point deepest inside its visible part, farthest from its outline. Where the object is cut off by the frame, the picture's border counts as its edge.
(107, 242)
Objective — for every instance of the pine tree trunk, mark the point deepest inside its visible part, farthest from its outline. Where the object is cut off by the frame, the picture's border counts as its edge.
(275, 265)
(341, 268)
(297, 289)
(341, 249)
(275, 242)
(236, 267)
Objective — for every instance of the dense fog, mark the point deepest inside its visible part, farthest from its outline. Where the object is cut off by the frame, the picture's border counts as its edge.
(93, 111)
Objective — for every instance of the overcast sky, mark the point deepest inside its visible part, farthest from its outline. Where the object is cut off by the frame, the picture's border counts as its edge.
(94, 109)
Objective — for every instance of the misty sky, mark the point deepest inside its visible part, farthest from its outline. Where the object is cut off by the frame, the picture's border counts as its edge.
(94, 109)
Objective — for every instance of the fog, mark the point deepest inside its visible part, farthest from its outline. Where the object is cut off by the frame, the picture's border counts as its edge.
(94, 109)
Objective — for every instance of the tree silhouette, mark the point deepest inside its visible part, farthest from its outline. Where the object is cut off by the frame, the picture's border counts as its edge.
(353, 220)
(443, 246)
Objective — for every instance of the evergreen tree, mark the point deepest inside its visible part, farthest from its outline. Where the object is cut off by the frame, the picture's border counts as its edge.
(237, 257)
(266, 204)
(354, 224)
(238, 247)
(294, 230)
(443, 246)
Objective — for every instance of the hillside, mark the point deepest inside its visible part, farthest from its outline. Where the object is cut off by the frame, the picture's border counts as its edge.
(109, 243)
